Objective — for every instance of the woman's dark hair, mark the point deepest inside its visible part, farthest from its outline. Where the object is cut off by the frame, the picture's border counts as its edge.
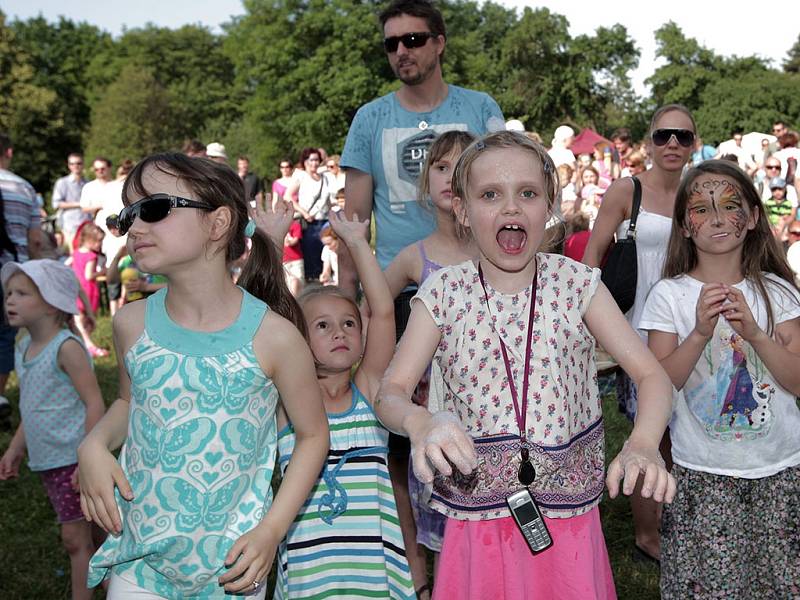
(415, 8)
(788, 140)
(306, 152)
(218, 185)
(760, 253)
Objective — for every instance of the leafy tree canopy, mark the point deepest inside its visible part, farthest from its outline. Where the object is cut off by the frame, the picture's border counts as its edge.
(292, 73)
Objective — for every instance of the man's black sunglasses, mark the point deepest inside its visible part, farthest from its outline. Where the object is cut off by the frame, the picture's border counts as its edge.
(685, 137)
(416, 39)
(154, 208)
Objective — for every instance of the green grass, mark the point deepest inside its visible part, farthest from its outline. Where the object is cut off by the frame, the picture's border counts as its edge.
(34, 564)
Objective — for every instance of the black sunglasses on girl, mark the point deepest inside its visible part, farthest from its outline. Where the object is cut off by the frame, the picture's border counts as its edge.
(685, 137)
(416, 39)
(154, 208)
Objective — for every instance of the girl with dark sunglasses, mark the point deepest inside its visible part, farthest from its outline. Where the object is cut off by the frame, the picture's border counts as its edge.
(204, 385)
(671, 137)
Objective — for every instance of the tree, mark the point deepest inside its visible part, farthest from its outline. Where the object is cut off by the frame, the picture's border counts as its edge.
(133, 117)
(748, 103)
(188, 64)
(792, 62)
(29, 112)
(552, 78)
(690, 68)
(303, 69)
(60, 55)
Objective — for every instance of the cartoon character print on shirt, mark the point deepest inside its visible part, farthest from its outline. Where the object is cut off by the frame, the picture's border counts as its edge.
(734, 402)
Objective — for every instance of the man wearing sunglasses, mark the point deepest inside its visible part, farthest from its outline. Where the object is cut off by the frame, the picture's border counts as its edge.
(389, 137)
(384, 153)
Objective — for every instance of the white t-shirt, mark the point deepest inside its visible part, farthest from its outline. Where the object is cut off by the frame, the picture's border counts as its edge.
(562, 156)
(731, 417)
(311, 189)
(95, 193)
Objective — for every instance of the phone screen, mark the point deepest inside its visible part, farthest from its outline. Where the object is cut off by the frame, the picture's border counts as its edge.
(526, 512)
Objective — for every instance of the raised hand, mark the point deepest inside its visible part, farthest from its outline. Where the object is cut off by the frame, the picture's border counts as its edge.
(350, 232)
(273, 220)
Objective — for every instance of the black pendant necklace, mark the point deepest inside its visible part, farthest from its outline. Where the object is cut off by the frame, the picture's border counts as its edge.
(527, 472)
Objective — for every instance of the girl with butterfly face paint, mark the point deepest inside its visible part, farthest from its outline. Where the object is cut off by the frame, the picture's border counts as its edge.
(725, 324)
(204, 385)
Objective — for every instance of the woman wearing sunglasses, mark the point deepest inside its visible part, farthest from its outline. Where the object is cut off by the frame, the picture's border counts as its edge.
(204, 385)
(670, 143)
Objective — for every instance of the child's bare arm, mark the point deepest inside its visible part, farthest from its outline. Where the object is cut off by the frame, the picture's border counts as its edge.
(377, 352)
(12, 457)
(781, 353)
(403, 270)
(90, 272)
(640, 455)
(297, 385)
(74, 361)
(100, 472)
(436, 438)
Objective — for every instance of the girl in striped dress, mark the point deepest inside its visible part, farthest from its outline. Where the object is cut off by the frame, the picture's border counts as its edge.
(346, 541)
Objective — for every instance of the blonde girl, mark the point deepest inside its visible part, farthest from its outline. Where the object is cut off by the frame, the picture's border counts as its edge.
(509, 402)
(60, 400)
(346, 537)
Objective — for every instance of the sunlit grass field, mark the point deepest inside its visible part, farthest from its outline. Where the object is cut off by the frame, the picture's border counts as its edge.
(33, 565)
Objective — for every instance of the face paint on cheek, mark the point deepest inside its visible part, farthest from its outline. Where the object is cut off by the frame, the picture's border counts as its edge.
(736, 217)
(694, 219)
(694, 222)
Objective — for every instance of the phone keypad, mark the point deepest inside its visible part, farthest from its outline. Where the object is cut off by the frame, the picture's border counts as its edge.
(537, 537)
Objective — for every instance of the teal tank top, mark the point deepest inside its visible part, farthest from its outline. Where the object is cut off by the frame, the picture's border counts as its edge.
(199, 455)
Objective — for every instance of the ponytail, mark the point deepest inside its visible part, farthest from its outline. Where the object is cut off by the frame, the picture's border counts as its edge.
(263, 277)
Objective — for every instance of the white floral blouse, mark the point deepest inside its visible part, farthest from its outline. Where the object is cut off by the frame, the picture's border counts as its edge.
(564, 422)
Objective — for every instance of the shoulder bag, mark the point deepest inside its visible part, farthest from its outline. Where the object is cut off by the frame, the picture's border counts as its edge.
(620, 271)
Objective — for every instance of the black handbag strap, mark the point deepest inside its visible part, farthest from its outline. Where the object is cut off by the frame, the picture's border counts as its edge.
(637, 201)
(318, 195)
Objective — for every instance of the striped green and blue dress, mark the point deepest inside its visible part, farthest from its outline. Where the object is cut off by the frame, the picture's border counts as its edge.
(346, 540)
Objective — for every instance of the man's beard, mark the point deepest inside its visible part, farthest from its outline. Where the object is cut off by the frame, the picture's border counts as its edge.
(422, 73)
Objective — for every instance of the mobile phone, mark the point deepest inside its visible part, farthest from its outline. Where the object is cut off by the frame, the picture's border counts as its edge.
(529, 520)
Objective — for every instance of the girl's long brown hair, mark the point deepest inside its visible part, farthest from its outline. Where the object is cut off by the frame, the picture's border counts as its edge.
(761, 252)
(218, 185)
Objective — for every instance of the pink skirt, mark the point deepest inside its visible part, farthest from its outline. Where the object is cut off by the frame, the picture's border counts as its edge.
(490, 559)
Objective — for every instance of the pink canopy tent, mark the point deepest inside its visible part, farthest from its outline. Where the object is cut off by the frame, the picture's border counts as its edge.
(586, 140)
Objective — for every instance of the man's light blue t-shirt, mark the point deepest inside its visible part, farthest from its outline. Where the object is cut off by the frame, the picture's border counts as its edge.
(391, 143)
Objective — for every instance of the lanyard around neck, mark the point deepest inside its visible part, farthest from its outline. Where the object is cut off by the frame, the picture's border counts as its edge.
(520, 406)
